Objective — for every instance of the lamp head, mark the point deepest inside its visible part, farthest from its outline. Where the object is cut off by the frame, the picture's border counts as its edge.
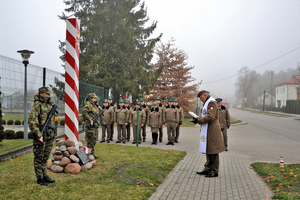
(25, 55)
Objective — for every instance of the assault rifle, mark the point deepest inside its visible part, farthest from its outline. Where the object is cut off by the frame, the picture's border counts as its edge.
(48, 125)
(95, 119)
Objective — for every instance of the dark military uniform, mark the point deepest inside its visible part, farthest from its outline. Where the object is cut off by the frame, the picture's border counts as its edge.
(36, 121)
(146, 109)
(133, 122)
(112, 124)
(106, 122)
(162, 109)
(128, 125)
(171, 120)
(121, 118)
(224, 119)
(181, 118)
(155, 122)
(89, 111)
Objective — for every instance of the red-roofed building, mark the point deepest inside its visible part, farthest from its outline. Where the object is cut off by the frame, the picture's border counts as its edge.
(288, 90)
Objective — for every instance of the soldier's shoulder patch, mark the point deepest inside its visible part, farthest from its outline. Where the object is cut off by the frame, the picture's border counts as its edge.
(211, 108)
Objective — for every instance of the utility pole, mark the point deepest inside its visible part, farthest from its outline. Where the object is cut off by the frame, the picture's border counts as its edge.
(264, 100)
(271, 89)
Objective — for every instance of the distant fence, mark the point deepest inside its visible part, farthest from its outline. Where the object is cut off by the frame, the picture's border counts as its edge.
(12, 87)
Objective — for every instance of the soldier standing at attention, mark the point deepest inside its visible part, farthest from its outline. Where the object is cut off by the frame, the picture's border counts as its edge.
(42, 145)
(224, 119)
(111, 104)
(89, 111)
(106, 120)
(181, 118)
(171, 121)
(133, 121)
(121, 120)
(126, 104)
(162, 109)
(146, 109)
(155, 122)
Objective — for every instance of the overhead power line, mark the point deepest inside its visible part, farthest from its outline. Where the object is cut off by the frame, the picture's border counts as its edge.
(254, 67)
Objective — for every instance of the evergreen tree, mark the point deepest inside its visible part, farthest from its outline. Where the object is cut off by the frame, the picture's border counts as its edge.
(115, 48)
(175, 79)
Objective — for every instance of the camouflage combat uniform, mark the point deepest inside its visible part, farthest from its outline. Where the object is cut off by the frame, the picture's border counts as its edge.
(36, 121)
(89, 111)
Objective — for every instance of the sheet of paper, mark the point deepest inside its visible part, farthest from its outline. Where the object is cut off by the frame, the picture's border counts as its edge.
(193, 114)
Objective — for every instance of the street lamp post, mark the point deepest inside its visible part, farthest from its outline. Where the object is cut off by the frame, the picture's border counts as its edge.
(25, 56)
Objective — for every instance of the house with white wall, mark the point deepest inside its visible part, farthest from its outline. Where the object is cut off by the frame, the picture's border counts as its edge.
(288, 90)
(268, 98)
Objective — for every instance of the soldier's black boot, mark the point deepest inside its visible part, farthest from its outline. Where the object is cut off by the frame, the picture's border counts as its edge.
(153, 139)
(41, 182)
(47, 179)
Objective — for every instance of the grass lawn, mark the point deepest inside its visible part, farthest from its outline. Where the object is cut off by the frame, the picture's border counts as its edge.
(122, 172)
(10, 145)
(13, 117)
(283, 181)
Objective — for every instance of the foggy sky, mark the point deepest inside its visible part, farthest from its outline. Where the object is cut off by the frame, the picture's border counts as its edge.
(219, 36)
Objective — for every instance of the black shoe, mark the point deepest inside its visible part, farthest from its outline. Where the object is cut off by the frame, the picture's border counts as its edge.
(108, 141)
(226, 149)
(203, 172)
(48, 179)
(144, 140)
(124, 142)
(42, 182)
(102, 141)
(169, 143)
(152, 143)
(118, 141)
(160, 140)
(96, 157)
(111, 139)
(128, 139)
(211, 175)
(176, 141)
(172, 143)
(133, 142)
(139, 142)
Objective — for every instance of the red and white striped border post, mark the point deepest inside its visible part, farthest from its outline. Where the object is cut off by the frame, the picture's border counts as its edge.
(72, 80)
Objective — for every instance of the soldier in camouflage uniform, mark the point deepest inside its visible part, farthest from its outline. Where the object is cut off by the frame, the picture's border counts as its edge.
(146, 109)
(89, 111)
(42, 145)
(126, 104)
(121, 120)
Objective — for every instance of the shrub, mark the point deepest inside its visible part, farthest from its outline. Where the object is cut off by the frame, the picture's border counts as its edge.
(17, 122)
(19, 135)
(1, 135)
(9, 134)
(10, 122)
(3, 122)
(62, 122)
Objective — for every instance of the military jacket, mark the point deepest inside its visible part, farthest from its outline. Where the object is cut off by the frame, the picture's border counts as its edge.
(133, 117)
(154, 118)
(181, 114)
(171, 114)
(38, 117)
(121, 115)
(89, 111)
(108, 116)
(162, 109)
(224, 117)
(146, 109)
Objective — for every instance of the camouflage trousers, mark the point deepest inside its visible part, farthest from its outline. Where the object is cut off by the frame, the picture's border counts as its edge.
(91, 136)
(41, 154)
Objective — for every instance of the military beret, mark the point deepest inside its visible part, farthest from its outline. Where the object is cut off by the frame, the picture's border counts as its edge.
(126, 101)
(109, 98)
(219, 100)
(121, 101)
(138, 103)
(105, 101)
(154, 104)
(92, 95)
(170, 100)
(158, 98)
(202, 92)
(175, 100)
(44, 90)
(141, 100)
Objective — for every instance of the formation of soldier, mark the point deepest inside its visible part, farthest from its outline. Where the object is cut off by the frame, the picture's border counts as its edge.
(124, 117)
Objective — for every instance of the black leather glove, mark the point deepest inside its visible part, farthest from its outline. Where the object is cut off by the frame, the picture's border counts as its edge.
(194, 120)
(180, 123)
(228, 127)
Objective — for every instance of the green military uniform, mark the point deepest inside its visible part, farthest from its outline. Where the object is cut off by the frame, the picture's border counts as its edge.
(146, 109)
(162, 109)
(112, 123)
(224, 119)
(106, 122)
(133, 122)
(36, 121)
(121, 118)
(171, 120)
(89, 111)
(128, 125)
(181, 118)
(155, 122)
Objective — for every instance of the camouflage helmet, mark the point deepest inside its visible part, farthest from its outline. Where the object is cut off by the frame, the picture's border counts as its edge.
(44, 90)
(92, 95)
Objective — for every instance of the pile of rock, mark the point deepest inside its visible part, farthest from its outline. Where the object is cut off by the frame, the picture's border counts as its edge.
(64, 158)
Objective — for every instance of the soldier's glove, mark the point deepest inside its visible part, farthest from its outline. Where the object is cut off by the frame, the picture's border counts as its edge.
(228, 127)
(180, 123)
(194, 120)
